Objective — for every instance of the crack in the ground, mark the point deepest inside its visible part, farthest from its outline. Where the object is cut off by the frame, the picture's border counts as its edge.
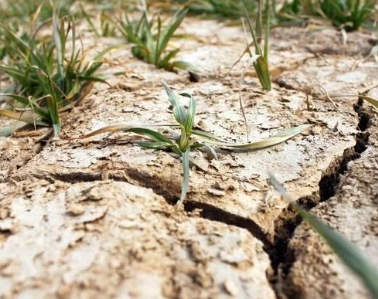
(285, 224)
(213, 213)
(282, 259)
(288, 221)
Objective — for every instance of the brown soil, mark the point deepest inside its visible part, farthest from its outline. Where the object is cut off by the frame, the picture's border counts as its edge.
(96, 217)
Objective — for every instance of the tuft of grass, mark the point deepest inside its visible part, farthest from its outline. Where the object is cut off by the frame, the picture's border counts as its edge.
(151, 40)
(44, 78)
(190, 138)
(348, 14)
(346, 251)
(260, 60)
(20, 9)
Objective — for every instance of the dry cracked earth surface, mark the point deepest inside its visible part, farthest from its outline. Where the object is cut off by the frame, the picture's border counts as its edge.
(96, 218)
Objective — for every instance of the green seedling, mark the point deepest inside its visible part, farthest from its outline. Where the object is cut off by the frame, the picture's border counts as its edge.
(151, 39)
(45, 79)
(190, 138)
(348, 14)
(260, 60)
(346, 251)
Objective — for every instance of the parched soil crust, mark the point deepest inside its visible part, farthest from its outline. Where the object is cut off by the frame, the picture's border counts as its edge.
(98, 216)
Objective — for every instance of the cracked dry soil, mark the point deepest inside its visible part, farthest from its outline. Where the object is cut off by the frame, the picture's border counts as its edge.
(96, 218)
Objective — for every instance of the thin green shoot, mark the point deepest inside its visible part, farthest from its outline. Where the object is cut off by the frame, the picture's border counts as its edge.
(260, 60)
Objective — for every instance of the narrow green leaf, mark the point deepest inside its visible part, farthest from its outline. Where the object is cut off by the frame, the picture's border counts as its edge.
(267, 28)
(206, 136)
(191, 113)
(262, 69)
(346, 251)
(255, 41)
(178, 110)
(371, 100)
(23, 117)
(185, 179)
(153, 135)
(154, 145)
(170, 29)
(58, 45)
(183, 65)
(164, 63)
(274, 140)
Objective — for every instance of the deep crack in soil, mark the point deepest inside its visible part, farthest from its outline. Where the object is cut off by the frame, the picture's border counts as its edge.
(285, 225)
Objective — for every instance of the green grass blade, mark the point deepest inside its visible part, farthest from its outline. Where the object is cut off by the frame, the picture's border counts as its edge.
(158, 51)
(178, 110)
(88, 18)
(258, 21)
(183, 65)
(185, 179)
(267, 28)
(170, 30)
(262, 70)
(59, 46)
(206, 136)
(164, 63)
(346, 251)
(255, 41)
(153, 135)
(191, 113)
(371, 100)
(154, 145)
(42, 112)
(274, 140)
(22, 117)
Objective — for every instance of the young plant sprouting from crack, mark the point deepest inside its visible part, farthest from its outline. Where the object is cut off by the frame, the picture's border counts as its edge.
(45, 79)
(346, 251)
(190, 138)
(260, 60)
(151, 39)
